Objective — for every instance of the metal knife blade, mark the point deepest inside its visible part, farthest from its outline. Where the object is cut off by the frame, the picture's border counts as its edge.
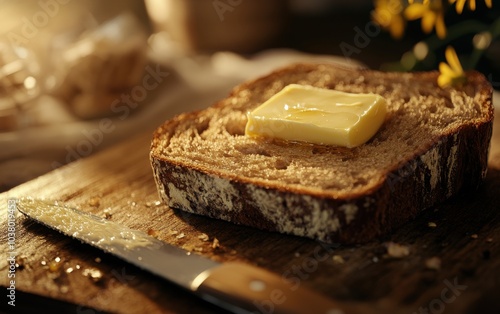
(236, 287)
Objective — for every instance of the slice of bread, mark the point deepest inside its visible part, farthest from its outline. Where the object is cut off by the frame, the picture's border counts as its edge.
(433, 144)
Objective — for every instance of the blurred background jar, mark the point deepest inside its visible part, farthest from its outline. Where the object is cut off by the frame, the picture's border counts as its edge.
(205, 26)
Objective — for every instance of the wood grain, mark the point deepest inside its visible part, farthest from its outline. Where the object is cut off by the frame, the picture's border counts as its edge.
(118, 184)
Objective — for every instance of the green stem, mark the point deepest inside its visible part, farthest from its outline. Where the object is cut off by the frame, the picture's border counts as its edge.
(456, 31)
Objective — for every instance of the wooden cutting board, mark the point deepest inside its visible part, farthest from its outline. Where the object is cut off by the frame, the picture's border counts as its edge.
(452, 266)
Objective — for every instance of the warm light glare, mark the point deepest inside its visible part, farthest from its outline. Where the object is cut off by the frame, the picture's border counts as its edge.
(158, 10)
(29, 82)
(421, 50)
(482, 40)
(408, 60)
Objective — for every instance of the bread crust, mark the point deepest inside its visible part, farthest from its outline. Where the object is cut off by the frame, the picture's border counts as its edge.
(453, 162)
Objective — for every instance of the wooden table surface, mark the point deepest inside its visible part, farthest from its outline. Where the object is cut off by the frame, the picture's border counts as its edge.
(453, 265)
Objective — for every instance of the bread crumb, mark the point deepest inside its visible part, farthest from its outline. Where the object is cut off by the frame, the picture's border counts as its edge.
(94, 202)
(107, 213)
(215, 243)
(474, 236)
(397, 250)
(375, 259)
(55, 265)
(204, 237)
(21, 262)
(489, 240)
(153, 233)
(181, 235)
(93, 273)
(433, 263)
(173, 232)
(337, 259)
(153, 204)
(431, 224)
(296, 254)
(97, 259)
(198, 249)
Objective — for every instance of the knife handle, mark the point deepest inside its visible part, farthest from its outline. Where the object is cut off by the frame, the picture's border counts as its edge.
(243, 288)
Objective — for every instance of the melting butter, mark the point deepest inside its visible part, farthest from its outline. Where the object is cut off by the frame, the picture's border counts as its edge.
(89, 228)
(317, 115)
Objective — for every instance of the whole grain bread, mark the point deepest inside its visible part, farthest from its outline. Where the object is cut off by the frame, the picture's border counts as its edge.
(433, 144)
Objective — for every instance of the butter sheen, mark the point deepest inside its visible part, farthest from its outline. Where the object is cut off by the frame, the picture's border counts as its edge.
(317, 115)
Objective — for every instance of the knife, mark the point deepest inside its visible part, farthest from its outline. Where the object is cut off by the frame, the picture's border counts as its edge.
(237, 287)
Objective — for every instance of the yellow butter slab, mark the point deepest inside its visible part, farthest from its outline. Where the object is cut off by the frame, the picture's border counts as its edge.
(317, 115)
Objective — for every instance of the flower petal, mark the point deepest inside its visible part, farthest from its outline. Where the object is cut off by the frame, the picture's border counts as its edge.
(440, 27)
(377, 18)
(460, 6)
(472, 5)
(397, 27)
(428, 21)
(445, 69)
(453, 61)
(444, 81)
(415, 11)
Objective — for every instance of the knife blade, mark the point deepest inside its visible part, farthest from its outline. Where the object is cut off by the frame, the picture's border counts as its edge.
(234, 286)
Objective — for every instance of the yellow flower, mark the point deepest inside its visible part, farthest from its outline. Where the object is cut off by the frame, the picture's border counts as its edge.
(388, 14)
(411, 1)
(432, 15)
(472, 4)
(451, 74)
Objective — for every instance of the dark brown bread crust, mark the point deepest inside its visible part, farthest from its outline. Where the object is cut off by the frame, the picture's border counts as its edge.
(411, 186)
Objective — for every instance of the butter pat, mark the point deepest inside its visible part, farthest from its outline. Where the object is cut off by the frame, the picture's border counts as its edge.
(317, 115)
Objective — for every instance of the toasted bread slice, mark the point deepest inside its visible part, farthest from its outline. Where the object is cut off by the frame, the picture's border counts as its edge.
(433, 144)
